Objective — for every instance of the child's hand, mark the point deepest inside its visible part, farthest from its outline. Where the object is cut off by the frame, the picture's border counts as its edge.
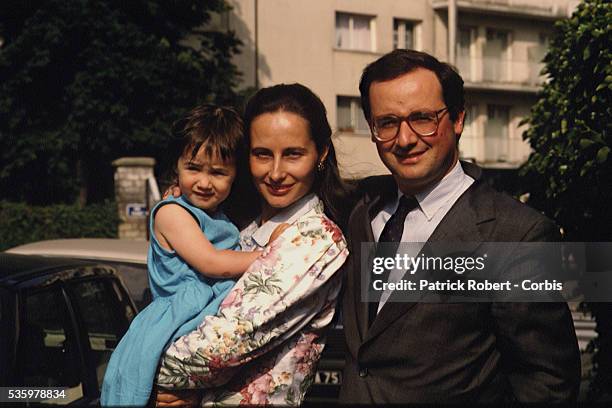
(173, 190)
(278, 231)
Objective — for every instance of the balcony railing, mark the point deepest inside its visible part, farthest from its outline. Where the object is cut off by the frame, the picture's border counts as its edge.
(549, 5)
(497, 149)
(548, 9)
(494, 150)
(500, 71)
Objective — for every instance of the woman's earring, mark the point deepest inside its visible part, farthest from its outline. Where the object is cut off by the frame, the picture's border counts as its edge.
(320, 166)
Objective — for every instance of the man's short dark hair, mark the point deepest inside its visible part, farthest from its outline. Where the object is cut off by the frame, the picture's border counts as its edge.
(400, 62)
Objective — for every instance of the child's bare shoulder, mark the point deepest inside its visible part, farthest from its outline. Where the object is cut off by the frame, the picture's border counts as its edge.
(174, 214)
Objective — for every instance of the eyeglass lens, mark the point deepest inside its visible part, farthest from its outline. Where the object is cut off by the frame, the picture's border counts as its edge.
(424, 123)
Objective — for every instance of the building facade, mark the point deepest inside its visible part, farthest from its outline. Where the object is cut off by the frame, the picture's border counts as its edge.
(497, 46)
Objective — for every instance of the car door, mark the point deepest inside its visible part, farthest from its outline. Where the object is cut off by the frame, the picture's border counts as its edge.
(48, 350)
(104, 312)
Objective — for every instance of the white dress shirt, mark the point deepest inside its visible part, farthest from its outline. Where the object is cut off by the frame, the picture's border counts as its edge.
(421, 222)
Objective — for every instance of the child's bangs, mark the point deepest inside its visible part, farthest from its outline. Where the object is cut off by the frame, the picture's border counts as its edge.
(211, 151)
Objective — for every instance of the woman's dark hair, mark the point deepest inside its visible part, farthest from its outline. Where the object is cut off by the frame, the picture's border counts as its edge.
(400, 62)
(219, 130)
(298, 99)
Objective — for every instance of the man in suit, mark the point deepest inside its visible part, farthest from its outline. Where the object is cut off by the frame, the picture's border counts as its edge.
(410, 352)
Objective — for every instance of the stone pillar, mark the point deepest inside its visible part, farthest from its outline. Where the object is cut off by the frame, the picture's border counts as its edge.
(131, 174)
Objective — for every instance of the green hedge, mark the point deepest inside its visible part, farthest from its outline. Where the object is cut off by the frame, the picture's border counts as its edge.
(22, 223)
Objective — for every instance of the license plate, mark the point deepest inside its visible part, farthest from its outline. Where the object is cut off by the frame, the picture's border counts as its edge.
(326, 377)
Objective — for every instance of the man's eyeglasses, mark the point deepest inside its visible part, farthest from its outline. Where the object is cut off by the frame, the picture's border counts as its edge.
(423, 123)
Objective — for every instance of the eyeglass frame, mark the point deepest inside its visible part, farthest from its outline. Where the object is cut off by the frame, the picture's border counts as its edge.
(403, 119)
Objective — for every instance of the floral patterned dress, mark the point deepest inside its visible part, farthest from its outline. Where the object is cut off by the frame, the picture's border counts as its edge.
(263, 345)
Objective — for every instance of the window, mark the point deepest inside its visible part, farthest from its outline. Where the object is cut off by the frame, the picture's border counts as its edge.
(497, 42)
(106, 317)
(135, 278)
(496, 55)
(544, 39)
(497, 133)
(403, 34)
(465, 38)
(469, 124)
(350, 115)
(355, 32)
(536, 53)
(48, 350)
(499, 117)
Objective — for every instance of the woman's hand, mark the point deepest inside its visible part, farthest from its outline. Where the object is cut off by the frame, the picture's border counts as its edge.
(278, 231)
(178, 398)
(173, 190)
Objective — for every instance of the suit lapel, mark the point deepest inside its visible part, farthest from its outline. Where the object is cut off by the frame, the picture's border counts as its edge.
(363, 213)
(460, 224)
(366, 235)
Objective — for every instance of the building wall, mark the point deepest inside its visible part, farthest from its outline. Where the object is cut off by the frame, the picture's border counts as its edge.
(296, 42)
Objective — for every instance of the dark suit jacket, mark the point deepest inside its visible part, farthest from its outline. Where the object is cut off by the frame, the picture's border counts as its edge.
(457, 352)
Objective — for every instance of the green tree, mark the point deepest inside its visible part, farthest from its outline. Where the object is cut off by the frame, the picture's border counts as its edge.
(570, 131)
(83, 82)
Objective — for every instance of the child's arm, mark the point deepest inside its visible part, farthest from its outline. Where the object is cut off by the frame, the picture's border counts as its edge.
(176, 229)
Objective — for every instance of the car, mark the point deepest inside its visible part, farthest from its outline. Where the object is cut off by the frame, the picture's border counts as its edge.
(328, 377)
(60, 320)
(128, 257)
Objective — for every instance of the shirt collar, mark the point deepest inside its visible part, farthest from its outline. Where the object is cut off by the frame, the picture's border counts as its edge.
(288, 215)
(434, 197)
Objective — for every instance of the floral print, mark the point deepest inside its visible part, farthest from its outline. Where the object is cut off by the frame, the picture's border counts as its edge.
(263, 345)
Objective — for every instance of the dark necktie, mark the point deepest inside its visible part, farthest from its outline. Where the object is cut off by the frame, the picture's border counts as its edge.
(392, 233)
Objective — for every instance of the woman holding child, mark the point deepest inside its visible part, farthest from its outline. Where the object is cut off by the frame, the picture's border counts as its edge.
(262, 344)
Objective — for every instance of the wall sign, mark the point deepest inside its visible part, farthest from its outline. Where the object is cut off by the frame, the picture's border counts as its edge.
(136, 210)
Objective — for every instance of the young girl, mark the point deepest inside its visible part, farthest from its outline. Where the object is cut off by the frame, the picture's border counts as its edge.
(193, 253)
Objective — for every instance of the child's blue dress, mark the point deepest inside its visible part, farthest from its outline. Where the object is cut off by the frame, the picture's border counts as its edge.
(182, 298)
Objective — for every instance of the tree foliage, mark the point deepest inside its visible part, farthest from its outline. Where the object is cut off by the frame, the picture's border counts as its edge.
(570, 129)
(83, 82)
(571, 135)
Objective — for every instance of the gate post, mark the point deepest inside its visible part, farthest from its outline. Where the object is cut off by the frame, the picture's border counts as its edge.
(131, 175)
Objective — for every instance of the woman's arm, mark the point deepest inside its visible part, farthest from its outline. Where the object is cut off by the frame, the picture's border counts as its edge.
(176, 229)
(281, 293)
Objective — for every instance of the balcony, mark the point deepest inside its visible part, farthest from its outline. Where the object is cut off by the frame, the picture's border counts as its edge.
(494, 152)
(539, 9)
(500, 74)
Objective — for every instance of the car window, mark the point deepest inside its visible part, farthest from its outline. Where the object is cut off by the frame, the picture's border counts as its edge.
(47, 350)
(136, 280)
(106, 313)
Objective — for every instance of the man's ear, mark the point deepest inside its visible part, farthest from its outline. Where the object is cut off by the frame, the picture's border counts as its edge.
(458, 124)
